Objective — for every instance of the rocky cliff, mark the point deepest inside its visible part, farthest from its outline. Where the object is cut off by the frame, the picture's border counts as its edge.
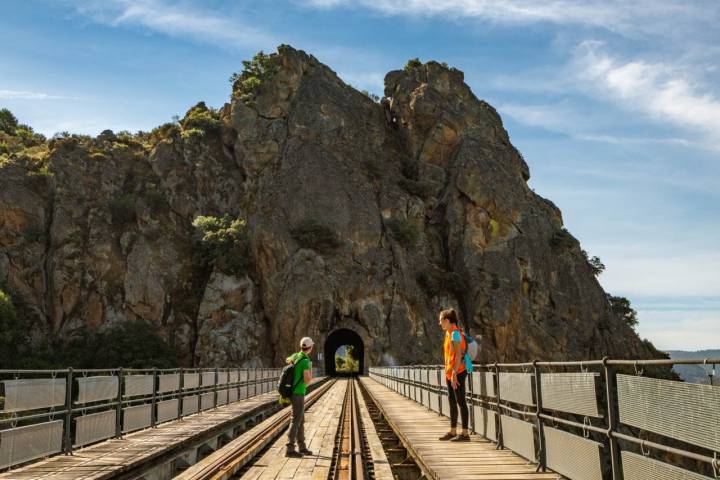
(300, 207)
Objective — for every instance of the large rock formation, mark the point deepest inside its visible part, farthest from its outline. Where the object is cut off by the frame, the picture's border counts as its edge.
(356, 214)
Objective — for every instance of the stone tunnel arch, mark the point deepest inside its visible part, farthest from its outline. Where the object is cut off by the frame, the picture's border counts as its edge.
(338, 338)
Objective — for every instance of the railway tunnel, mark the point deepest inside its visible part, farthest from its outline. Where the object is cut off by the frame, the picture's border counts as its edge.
(343, 337)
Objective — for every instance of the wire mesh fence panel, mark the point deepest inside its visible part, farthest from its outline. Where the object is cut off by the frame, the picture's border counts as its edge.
(95, 389)
(572, 456)
(22, 444)
(434, 401)
(168, 382)
(518, 436)
(94, 427)
(570, 392)
(207, 400)
(233, 376)
(31, 394)
(484, 422)
(222, 378)
(136, 417)
(690, 412)
(136, 385)
(208, 378)
(222, 397)
(482, 384)
(191, 380)
(233, 395)
(445, 405)
(640, 467)
(243, 392)
(516, 387)
(167, 410)
(190, 404)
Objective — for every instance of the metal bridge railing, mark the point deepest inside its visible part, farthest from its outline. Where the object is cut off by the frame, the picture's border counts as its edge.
(45, 412)
(591, 420)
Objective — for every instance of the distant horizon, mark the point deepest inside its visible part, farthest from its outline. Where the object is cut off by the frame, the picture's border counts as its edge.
(616, 112)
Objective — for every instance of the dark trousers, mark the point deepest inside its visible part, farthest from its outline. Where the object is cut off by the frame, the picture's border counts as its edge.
(297, 428)
(456, 398)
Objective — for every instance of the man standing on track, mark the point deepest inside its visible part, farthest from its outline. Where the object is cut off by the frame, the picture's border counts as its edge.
(303, 376)
(457, 367)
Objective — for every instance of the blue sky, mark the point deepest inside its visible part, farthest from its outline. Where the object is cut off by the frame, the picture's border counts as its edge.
(614, 104)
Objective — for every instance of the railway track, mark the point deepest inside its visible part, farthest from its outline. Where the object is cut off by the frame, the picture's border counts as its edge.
(350, 460)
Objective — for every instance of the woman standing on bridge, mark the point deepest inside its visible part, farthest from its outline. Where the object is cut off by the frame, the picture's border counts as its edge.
(457, 366)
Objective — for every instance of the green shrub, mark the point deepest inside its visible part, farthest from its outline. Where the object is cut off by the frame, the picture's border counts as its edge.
(404, 232)
(255, 72)
(130, 344)
(423, 190)
(562, 239)
(200, 117)
(13, 334)
(435, 281)
(412, 64)
(155, 200)
(164, 131)
(221, 242)
(310, 233)
(122, 210)
(192, 133)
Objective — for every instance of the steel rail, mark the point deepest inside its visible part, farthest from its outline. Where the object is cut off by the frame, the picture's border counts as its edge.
(222, 466)
(349, 464)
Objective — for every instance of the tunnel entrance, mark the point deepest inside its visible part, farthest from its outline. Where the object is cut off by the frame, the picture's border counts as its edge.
(348, 345)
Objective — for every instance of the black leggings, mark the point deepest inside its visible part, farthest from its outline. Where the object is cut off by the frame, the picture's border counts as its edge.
(456, 397)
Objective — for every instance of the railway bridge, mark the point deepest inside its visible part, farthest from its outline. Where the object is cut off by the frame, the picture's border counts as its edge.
(597, 419)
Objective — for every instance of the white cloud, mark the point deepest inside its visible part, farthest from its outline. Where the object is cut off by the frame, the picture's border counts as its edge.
(667, 270)
(585, 125)
(179, 20)
(629, 18)
(680, 329)
(661, 91)
(25, 95)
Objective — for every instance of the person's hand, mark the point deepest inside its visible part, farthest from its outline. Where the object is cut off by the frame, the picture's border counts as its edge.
(454, 380)
(288, 361)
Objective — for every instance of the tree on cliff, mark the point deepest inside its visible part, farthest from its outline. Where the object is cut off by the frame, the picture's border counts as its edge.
(622, 308)
(8, 121)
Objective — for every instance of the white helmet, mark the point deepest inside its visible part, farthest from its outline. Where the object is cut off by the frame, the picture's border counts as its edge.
(306, 342)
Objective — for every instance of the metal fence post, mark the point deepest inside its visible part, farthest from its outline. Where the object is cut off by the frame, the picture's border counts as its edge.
(118, 409)
(180, 395)
(68, 414)
(611, 399)
(215, 387)
(540, 426)
(153, 401)
(498, 422)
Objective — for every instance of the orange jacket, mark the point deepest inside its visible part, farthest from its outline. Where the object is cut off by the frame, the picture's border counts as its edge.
(449, 351)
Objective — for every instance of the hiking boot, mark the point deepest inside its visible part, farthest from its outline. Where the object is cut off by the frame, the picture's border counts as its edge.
(447, 436)
(462, 437)
(292, 453)
(305, 451)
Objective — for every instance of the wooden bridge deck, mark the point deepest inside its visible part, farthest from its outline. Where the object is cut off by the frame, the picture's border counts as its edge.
(116, 457)
(321, 425)
(420, 429)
